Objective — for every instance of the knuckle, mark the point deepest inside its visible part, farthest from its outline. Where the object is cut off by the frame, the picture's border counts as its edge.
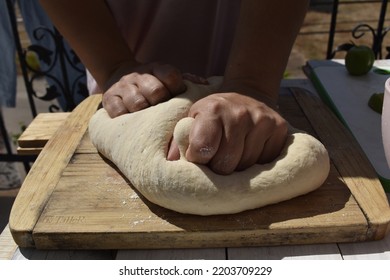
(135, 102)
(173, 80)
(174, 77)
(283, 127)
(202, 151)
(139, 104)
(265, 121)
(157, 94)
(175, 86)
(129, 78)
(214, 106)
(106, 98)
(114, 109)
(242, 117)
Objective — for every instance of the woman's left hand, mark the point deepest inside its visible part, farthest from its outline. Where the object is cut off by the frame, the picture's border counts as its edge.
(231, 132)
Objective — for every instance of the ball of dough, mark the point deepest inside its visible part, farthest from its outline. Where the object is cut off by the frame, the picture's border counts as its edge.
(137, 144)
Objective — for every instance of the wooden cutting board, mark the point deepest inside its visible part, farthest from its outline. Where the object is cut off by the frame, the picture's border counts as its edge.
(74, 199)
(39, 131)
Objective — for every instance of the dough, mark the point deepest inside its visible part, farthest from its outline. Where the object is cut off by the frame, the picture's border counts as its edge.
(137, 144)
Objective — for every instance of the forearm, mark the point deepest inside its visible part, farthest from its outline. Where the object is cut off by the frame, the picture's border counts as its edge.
(264, 38)
(92, 32)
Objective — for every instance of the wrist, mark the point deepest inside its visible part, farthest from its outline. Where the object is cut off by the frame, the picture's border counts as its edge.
(121, 69)
(251, 89)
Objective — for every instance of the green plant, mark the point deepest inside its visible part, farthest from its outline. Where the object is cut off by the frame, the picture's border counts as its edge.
(15, 136)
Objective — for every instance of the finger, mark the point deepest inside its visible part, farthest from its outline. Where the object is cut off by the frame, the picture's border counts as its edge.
(133, 100)
(114, 105)
(273, 146)
(204, 139)
(230, 150)
(195, 79)
(264, 143)
(258, 134)
(170, 77)
(253, 147)
(151, 88)
(173, 151)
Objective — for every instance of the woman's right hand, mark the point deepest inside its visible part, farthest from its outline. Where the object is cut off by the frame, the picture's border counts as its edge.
(138, 87)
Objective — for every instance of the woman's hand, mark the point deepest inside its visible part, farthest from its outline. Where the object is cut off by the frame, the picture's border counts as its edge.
(144, 86)
(231, 132)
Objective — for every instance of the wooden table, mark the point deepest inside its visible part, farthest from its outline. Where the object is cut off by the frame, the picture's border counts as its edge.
(336, 251)
(373, 250)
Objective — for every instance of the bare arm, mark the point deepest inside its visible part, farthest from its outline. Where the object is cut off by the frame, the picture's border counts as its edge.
(264, 38)
(238, 126)
(92, 32)
(234, 128)
(129, 86)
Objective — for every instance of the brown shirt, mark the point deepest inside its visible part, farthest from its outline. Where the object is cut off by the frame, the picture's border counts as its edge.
(193, 35)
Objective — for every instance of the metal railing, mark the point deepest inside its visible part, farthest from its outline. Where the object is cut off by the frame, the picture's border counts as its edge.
(378, 32)
(60, 86)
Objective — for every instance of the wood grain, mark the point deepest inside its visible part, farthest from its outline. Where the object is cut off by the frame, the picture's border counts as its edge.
(7, 245)
(92, 198)
(86, 203)
(41, 129)
(45, 173)
(378, 250)
(352, 164)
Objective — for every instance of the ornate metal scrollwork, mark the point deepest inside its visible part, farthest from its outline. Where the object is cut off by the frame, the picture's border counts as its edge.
(360, 30)
(58, 65)
(49, 59)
